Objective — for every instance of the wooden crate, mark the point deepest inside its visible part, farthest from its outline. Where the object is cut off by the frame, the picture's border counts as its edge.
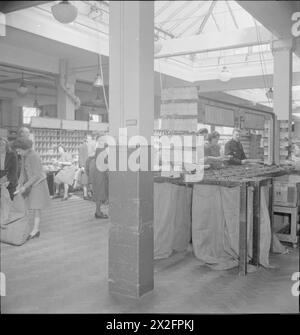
(286, 193)
(291, 222)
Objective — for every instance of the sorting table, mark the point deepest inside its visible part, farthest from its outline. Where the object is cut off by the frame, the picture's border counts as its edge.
(249, 178)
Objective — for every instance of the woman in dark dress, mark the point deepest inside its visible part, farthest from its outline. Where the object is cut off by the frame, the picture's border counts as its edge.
(8, 167)
(32, 182)
(98, 177)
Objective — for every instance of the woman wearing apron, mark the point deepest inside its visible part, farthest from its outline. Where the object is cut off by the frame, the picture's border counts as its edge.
(32, 183)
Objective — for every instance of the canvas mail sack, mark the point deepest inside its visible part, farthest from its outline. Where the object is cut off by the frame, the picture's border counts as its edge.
(14, 220)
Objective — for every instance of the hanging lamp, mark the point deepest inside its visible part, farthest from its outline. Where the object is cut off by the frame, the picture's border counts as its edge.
(64, 12)
(22, 88)
(270, 94)
(98, 80)
(225, 74)
(35, 103)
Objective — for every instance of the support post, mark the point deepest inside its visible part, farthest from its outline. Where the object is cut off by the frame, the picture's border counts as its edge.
(131, 96)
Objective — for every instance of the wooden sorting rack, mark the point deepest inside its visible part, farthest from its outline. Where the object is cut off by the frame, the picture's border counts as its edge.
(249, 179)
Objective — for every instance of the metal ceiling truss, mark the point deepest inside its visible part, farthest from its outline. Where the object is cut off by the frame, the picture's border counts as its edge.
(193, 23)
(164, 7)
(232, 15)
(183, 19)
(207, 16)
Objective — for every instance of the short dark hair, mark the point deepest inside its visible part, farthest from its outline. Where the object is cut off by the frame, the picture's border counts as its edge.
(213, 135)
(203, 131)
(22, 143)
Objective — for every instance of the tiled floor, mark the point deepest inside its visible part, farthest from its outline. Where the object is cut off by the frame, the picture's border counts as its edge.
(65, 271)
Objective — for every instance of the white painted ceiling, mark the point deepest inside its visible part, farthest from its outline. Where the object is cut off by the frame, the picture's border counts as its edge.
(173, 19)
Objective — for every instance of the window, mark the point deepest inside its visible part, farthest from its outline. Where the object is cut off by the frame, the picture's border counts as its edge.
(28, 113)
(95, 118)
(224, 130)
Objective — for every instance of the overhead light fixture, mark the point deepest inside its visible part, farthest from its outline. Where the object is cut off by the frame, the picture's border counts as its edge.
(22, 89)
(296, 114)
(35, 103)
(64, 12)
(270, 94)
(225, 74)
(98, 98)
(98, 80)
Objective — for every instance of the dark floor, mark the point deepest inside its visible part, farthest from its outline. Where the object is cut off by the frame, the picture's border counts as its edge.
(65, 271)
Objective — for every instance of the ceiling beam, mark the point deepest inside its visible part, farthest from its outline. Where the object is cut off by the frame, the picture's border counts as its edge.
(213, 42)
(215, 21)
(164, 32)
(42, 24)
(274, 15)
(188, 14)
(194, 22)
(12, 6)
(245, 83)
(232, 15)
(163, 7)
(207, 16)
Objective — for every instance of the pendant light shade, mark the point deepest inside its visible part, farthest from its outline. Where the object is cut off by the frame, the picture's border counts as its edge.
(98, 81)
(35, 103)
(98, 99)
(225, 74)
(270, 93)
(64, 12)
(22, 88)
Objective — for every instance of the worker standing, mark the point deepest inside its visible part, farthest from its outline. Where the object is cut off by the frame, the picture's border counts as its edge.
(212, 152)
(234, 148)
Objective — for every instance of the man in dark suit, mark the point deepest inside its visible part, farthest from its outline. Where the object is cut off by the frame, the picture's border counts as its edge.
(234, 148)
